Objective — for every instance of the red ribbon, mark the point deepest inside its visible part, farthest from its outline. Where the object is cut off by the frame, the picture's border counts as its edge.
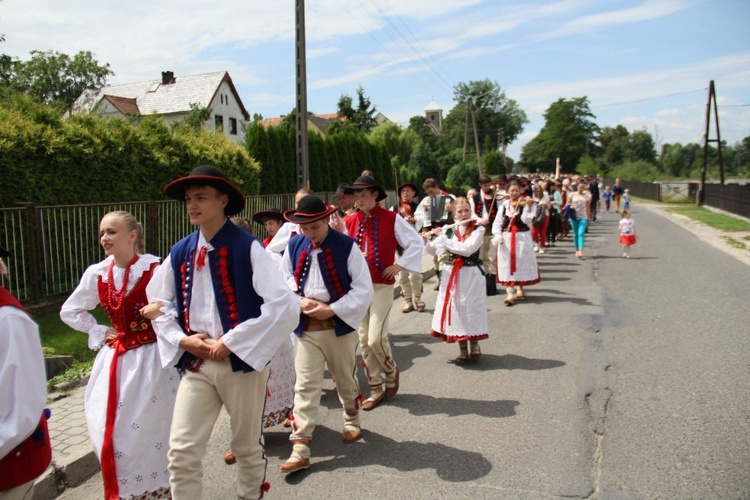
(513, 230)
(201, 260)
(450, 290)
(109, 471)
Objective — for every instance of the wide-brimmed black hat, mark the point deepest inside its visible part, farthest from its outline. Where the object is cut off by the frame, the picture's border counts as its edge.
(367, 182)
(408, 184)
(309, 209)
(271, 213)
(208, 175)
(343, 189)
(4, 253)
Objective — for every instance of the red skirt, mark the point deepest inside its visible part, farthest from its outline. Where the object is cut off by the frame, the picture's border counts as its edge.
(627, 239)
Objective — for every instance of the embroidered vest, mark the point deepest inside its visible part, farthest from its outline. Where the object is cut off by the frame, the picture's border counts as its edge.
(517, 222)
(232, 277)
(479, 207)
(332, 259)
(138, 330)
(376, 238)
(30, 459)
(471, 260)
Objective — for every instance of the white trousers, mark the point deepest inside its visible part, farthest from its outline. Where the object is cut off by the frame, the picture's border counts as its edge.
(373, 338)
(199, 399)
(315, 350)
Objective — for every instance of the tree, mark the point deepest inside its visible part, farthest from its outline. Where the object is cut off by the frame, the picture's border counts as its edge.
(56, 78)
(495, 115)
(423, 161)
(361, 119)
(568, 134)
(195, 119)
(614, 144)
(641, 146)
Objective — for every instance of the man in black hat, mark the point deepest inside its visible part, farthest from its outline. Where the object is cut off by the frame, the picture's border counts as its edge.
(333, 282)
(227, 312)
(484, 210)
(271, 220)
(345, 198)
(378, 232)
(410, 282)
(25, 451)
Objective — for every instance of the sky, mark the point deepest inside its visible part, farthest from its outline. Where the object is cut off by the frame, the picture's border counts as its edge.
(642, 64)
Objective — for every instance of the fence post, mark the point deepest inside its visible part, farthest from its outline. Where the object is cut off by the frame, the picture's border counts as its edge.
(152, 228)
(34, 245)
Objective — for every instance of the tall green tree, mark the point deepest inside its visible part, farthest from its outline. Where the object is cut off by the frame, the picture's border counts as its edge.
(641, 146)
(424, 161)
(359, 119)
(614, 144)
(498, 117)
(56, 78)
(569, 132)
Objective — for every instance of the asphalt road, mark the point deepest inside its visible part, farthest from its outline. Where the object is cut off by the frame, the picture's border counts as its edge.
(614, 379)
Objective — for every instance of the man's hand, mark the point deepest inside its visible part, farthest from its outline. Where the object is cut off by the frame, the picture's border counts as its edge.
(483, 222)
(318, 310)
(449, 207)
(219, 351)
(194, 345)
(391, 271)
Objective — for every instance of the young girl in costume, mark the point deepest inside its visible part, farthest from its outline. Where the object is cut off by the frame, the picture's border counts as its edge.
(516, 260)
(129, 397)
(627, 233)
(461, 307)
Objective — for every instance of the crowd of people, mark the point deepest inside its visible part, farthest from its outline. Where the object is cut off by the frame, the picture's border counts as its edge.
(229, 320)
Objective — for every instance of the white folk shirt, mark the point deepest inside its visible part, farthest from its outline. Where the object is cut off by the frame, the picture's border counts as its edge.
(256, 340)
(23, 382)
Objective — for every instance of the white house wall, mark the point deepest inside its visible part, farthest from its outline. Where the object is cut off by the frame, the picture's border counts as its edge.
(225, 105)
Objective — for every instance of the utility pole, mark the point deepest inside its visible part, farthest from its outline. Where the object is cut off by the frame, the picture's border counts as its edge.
(476, 135)
(711, 100)
(303, 154)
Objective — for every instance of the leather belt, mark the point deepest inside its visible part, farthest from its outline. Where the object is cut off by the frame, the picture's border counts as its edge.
(314, 325)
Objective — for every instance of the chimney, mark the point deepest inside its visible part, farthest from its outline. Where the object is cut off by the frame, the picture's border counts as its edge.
(167, 77)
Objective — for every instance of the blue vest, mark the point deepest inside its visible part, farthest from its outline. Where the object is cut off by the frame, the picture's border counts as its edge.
(232, 277)
(332, 260)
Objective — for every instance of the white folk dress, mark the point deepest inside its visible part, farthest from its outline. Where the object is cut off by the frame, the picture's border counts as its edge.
(516, 260)
(146, 391)
(461, 307)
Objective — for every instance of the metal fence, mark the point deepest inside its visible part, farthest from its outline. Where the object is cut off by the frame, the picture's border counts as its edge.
(53, 245)
(646, 190)
(732, 198)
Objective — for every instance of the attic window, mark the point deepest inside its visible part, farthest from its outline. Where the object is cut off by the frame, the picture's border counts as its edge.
(154, 87)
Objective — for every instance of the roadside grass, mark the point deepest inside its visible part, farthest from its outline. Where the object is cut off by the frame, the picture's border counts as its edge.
(718, 221)
(735, 243)
(59, 339)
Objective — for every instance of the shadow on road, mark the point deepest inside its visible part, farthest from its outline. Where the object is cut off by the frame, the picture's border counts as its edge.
(330, 454)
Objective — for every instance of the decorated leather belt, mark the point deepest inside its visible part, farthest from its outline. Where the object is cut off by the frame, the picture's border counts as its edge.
(314, 324)
(134, 340)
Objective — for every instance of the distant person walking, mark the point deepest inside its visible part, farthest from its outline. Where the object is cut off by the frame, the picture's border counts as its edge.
(580, 201)
(617, 191)
(627, 233)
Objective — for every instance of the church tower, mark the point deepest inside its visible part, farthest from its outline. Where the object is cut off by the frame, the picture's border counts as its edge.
(434, 115)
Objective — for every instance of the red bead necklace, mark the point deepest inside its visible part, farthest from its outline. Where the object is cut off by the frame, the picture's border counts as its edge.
(115, 296)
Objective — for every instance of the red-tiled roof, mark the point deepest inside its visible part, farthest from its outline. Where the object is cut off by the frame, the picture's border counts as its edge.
(126, 105)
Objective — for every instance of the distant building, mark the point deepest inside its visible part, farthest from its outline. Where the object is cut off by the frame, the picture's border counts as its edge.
(319, 123)
(434, 115)
(171, 98)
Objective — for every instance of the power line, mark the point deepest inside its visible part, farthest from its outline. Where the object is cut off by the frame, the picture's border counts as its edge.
(647, 99)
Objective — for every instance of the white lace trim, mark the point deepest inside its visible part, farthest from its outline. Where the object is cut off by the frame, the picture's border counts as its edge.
(136, 270)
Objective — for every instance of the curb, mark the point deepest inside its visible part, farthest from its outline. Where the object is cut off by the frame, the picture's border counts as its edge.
(72, 471)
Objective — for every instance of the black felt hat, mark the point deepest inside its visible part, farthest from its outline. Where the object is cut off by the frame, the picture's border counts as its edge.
(367, 182)
(408, 184)
(4, 253)
(271, 213)
(208, 175)
(309, 209)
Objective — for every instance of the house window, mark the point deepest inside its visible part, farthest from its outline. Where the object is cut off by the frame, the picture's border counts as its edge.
(219, 121)
(233, 126)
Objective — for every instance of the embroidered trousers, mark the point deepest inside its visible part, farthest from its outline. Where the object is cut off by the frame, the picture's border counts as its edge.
(373, 338)
(315, 350)
(200, 397)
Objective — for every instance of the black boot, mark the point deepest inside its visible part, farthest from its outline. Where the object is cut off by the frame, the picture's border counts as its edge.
(491, 286)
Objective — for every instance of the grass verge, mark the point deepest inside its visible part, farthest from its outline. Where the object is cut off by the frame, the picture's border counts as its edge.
(718, 221)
